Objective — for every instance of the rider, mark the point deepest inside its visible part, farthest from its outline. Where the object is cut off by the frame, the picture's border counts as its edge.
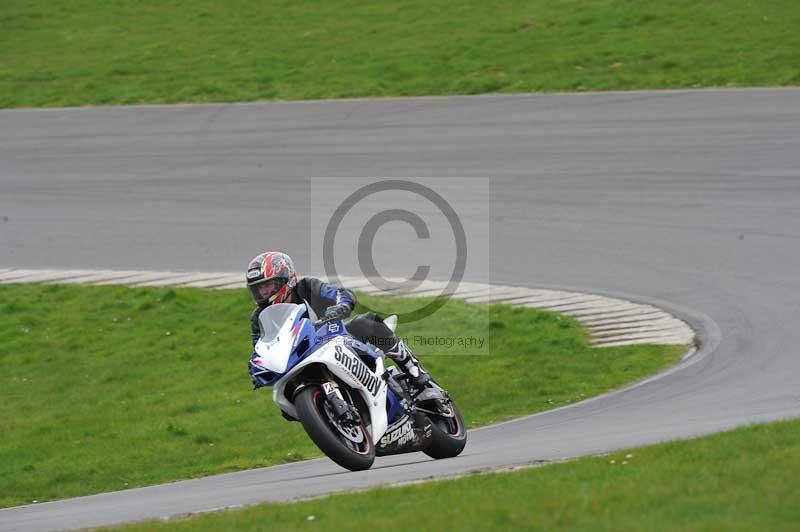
(271, 278)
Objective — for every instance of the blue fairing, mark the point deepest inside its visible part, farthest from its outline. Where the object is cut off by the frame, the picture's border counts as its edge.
(261, 376)
(330, 329)
(304, 344)
(307, 341)
(394, 410)
(366, 349)
(334, 329)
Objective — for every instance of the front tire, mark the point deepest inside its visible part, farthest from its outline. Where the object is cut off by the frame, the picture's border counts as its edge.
(449, 434)
(331, 440)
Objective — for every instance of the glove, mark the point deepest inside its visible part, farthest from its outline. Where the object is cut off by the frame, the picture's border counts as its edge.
(337, 312)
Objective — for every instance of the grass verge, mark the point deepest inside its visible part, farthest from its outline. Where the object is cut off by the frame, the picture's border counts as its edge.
(105, 388)
(744, 480)
(87, 52)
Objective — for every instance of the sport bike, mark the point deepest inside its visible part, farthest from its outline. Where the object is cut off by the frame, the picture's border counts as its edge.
(348, 402)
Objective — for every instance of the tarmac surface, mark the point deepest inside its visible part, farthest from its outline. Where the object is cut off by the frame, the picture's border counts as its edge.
(687, 200)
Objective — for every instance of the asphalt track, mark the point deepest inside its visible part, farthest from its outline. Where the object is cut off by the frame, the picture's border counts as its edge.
(688, 199)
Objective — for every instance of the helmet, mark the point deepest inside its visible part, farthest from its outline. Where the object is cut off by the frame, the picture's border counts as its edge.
(271, 278)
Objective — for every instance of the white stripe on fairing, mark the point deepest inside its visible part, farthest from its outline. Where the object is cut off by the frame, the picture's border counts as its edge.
(610, 321)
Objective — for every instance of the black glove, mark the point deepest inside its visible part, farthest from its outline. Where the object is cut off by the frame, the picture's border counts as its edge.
(337, 312)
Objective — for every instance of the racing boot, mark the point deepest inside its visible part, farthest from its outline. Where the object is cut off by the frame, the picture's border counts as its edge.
(409, 364)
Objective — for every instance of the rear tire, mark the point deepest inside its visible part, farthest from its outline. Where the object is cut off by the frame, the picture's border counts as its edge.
(310, 405)
(449, 435)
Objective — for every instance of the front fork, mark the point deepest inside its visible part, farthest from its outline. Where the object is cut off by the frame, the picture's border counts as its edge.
(342, 410)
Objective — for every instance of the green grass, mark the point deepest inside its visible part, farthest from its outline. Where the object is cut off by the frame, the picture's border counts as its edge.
(124, 51)
(105, 388)
(744, 480)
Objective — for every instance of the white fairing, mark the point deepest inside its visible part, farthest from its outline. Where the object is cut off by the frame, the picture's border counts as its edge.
(391, 322)
(275, 347)
(376, 402)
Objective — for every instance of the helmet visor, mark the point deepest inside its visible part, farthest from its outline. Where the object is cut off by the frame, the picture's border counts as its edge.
(264, 292)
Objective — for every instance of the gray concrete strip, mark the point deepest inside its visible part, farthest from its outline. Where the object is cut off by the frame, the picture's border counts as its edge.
(459, 292)
(426, 287)
(614, 314)
(622, 317)
(629, 332)
(464, 289)
(103, 276)
(639, 311)
(357, 285)
(134, 278)
(545, 299)
(432, 292)
(624, 320)
(495, 293)
(656, 322)
(592, 302)
(16, 273)
(645, 335)
(221, 279)
(230, 286)
(655, 340)
(587, 303)
(177, 279)
(369, 289)
(50, 276)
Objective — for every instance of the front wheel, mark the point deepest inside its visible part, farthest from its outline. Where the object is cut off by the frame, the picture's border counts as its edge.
(449, 433)
(350, 447)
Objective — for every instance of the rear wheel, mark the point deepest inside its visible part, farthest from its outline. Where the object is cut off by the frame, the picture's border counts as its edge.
(449, 433)
(349, 446)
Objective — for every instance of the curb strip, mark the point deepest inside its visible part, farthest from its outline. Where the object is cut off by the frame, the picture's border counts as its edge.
(610, 321)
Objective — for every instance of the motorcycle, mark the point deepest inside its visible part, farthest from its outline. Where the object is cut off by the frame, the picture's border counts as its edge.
(350, 405)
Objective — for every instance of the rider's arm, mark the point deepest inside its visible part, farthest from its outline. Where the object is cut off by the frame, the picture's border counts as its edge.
(322, 295)
(255, 329)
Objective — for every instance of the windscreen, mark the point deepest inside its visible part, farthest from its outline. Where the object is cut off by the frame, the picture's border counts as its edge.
(272, 319)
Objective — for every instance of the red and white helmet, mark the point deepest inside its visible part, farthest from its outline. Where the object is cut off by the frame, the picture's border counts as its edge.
(271, 278)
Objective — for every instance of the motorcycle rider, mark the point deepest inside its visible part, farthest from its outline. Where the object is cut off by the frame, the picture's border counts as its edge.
(271, 278)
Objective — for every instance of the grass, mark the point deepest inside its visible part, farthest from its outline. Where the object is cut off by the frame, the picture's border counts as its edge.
(124, 51)
(744, 480)
(106, 388)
